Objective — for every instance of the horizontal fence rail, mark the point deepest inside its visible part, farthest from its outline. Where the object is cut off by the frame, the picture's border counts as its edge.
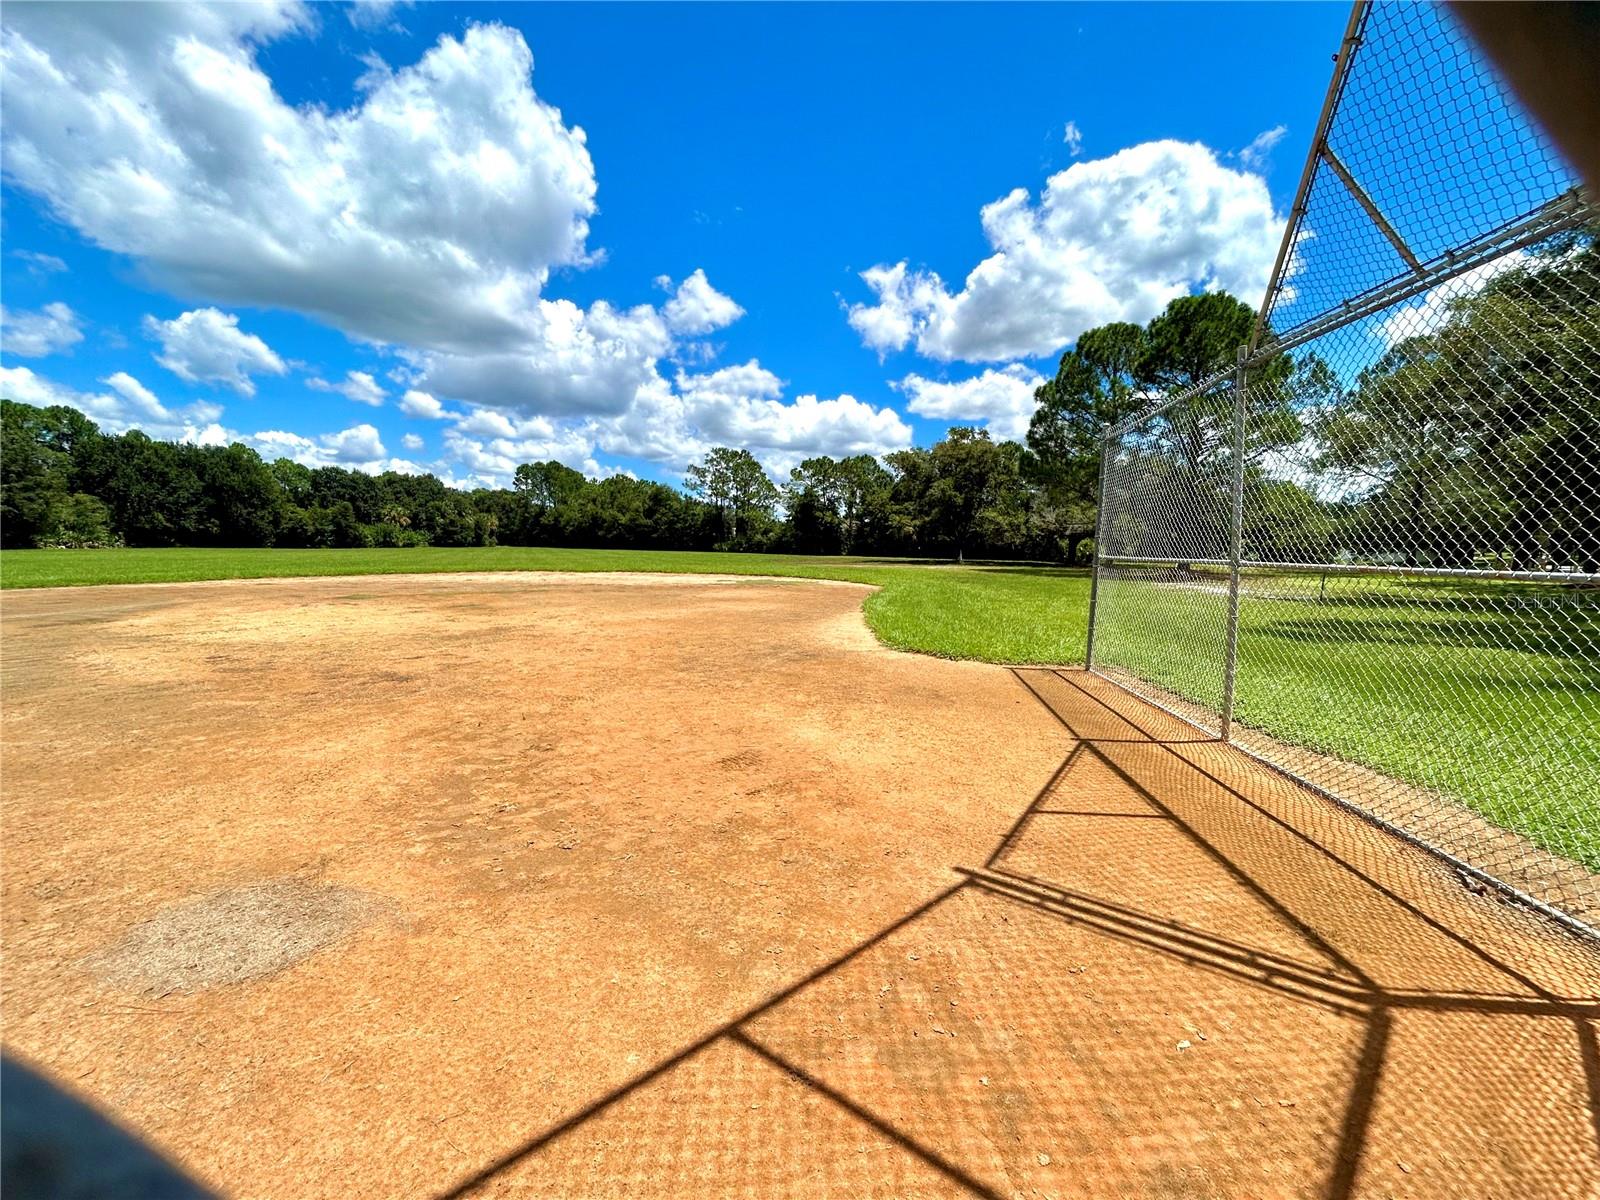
(1340, 568)
(1368, 552)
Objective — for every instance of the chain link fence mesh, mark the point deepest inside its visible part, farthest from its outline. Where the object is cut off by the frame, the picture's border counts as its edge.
(1412, 471)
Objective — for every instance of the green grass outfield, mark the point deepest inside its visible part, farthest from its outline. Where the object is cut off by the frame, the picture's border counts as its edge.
(1437, 684)
(1488, 692)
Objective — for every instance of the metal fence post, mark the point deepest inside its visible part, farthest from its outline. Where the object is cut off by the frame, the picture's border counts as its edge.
(1379, 519)
(1099, 524)
(1235, 545)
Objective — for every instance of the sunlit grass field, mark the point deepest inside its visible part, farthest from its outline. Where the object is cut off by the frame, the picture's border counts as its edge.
(1436, 684)
(1487, 692)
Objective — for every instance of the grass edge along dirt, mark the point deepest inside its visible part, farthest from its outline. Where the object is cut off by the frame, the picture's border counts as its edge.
(1018, 614)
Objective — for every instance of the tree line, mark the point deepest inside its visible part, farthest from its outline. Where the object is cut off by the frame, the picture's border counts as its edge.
(65, 483)
(1476, 440)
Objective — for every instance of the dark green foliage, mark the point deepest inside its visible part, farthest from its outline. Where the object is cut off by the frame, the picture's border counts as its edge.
(317, 528)
(241, 495)
(33, 474)
(66, 484)
(547, 485)
(736, 487)
(152, 488)
(78, 522)
(1110, 374)
(1480, 439)
(834, 505)
(964, 493)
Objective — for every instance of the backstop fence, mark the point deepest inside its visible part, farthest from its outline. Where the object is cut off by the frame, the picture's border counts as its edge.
(1368, 551)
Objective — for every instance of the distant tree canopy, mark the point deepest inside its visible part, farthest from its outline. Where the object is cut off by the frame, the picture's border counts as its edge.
(64, 483)
(1478, 439)
(838, 505)
(1473, 442)
(736, 487)
(1482, 437)
(1113, 372)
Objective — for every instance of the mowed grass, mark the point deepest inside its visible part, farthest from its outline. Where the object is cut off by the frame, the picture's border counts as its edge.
(995, 612)
(1488, 693)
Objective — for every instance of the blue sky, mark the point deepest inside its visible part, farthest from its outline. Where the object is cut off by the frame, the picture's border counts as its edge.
(238, 208)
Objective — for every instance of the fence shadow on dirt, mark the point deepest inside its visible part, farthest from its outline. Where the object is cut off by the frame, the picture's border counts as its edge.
(1176, 968)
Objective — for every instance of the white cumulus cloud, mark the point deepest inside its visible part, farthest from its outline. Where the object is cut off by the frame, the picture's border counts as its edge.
(1432, 309)
(429, 213)
(1001, 398)
(1259, 152)
(206, 345)
(139, 397)
(490, 461)
(1110, 239)
(742, 405)
(421, 405)
(590, 360)
(427, 216)
(359, 448)
(697, 307)
(356, 385)
(359, 443)
(1073, 137)
(50, 330)
(128, 405)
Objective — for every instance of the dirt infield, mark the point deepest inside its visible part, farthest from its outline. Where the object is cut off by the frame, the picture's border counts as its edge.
(588, 886)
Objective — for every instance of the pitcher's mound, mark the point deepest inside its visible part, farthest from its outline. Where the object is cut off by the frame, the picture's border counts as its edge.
(234, 935)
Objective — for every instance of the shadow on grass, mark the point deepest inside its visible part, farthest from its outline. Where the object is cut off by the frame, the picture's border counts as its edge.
(1574, 636)
(985, 565)
(1037, 572)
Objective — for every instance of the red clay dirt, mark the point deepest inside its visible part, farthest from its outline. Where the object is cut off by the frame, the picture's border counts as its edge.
(624, 886)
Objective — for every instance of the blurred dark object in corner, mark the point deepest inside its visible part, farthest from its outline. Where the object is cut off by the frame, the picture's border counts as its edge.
(1550, 55)
(53, 1146)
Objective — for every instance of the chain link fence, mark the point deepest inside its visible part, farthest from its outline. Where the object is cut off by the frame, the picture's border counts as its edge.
(1369, 551)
